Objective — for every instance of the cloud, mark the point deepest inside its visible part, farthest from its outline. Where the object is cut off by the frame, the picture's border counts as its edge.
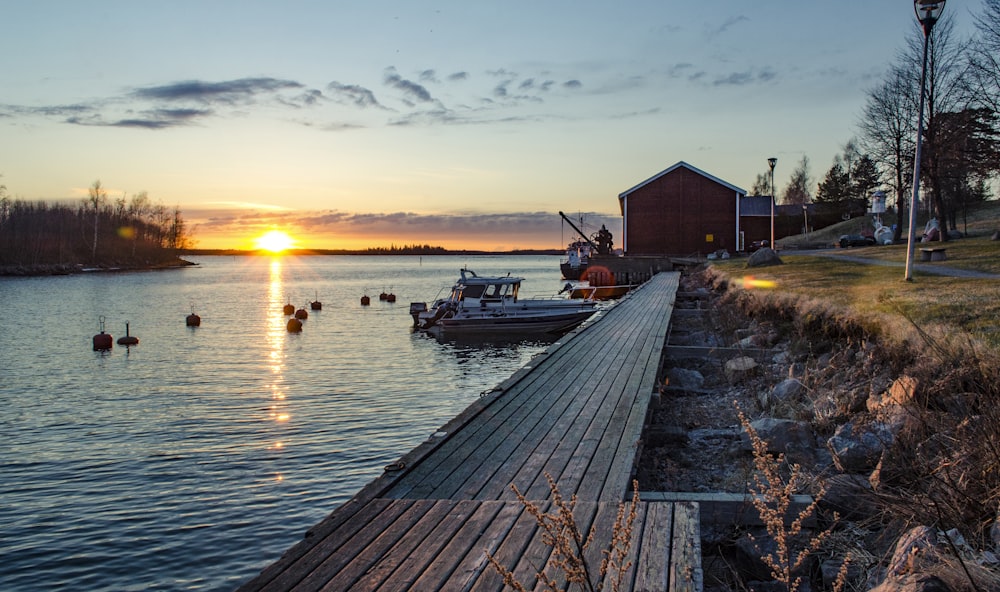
(572, 84)
(728, 24)
(230, 92)
(411, 90)
(745, 78)
(353, 94)
(401, 227)
(458, 76)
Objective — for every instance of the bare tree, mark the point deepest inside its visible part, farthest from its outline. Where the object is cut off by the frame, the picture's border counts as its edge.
(946, 93)
(797, 190)
(984, 57)
(98, 198)
(887, 133)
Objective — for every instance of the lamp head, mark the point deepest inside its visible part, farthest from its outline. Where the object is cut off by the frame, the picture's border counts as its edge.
(928, 12)
(771, 162)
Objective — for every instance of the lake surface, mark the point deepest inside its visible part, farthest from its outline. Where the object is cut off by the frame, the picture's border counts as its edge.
(194, 459)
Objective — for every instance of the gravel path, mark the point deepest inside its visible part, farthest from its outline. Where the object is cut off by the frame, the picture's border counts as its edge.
(930, 268)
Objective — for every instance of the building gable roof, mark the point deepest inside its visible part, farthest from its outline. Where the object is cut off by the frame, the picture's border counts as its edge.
(623, 194)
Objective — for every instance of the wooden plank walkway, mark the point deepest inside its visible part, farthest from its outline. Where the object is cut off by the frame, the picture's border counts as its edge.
(576, 413)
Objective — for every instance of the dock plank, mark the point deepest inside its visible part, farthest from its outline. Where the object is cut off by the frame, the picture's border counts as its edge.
(576, 413)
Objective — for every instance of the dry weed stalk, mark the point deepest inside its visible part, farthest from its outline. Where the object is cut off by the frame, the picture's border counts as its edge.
(569, 545)
(773, 496)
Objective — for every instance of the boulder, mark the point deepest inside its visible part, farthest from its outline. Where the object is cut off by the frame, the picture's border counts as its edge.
(996, 235)
(765, 257)
(902, 392)
(787, 391)
(740, 368)
(781, 435)
(858, 449)
(685, 379)
(849, 496)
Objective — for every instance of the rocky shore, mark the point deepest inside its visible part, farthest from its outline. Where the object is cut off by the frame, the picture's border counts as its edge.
(899, 447)
(25, 269)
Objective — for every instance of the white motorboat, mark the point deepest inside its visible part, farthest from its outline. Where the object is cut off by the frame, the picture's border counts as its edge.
(491, 305)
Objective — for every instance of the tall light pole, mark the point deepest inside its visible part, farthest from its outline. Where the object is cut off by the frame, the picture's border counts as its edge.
(928, 12)
(771, 162)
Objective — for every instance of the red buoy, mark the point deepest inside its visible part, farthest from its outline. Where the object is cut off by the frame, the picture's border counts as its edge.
(193, 320)
(128, 339)
(301, 314)
(103, 341)
(294, 325)
(390, 297)
(289, 309)
(365, 300)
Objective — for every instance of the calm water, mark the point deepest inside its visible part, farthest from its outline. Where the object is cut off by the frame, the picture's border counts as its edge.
(196, 458)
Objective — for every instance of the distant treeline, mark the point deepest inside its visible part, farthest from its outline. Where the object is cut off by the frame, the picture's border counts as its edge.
(393, 250)
(95, 232)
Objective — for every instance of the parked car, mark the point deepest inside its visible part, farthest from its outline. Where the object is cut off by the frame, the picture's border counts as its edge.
(855, 240)
(758, 245)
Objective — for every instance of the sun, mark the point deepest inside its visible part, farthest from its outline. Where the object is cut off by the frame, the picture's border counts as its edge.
(274, 241)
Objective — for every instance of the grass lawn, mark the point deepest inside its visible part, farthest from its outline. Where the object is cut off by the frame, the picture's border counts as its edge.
(969, 305)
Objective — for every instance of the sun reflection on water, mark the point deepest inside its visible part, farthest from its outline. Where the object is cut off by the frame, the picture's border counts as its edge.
(275, 338)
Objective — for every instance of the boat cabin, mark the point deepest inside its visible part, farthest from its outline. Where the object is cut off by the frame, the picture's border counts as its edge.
(494, 289)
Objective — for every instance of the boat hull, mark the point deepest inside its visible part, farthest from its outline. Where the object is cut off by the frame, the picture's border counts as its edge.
(550, 323)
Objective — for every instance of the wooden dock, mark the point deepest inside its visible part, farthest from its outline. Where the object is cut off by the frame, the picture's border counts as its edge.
(574, 413)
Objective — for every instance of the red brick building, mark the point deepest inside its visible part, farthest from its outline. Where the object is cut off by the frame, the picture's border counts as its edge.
(681, 211)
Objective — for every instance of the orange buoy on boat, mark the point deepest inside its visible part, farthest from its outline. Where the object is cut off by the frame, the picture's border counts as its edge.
(128, 339)
(103, 341)
(294, 325)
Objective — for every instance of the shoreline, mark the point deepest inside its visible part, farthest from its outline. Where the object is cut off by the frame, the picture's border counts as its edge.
(50, 269)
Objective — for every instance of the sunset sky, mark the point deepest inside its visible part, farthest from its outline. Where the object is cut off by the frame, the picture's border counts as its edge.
(459, 124)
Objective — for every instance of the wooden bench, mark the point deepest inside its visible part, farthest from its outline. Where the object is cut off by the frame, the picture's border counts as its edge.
(933, 254)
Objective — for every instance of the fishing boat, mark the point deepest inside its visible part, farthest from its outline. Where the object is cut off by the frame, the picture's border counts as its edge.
(582, 250)
(479, 304)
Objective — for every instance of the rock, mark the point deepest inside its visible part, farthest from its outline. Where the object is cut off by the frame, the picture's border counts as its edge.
(750, 566)
(914, 553)
(660, 436)
(685, 379)
(781, 435)
(996, 235)
(788, 391)
(738, 369)
(849, 496)
(765, 257)
(901, 392)
(913, 583)
(858, 450)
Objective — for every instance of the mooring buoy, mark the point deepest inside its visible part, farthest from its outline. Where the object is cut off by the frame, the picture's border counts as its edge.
(365, 300)
(103, 341)
(128, 339)
(289, 309)
(316, 304)
(192, 320)
(301, 314)
(294, 325)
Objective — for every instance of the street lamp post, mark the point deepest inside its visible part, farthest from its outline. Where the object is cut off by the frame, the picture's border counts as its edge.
(805, 217)
(771, 162)
(928, 12)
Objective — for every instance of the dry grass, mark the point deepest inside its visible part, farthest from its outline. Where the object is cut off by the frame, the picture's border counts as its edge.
(568, 560)
(879, 296)
(943, 467)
